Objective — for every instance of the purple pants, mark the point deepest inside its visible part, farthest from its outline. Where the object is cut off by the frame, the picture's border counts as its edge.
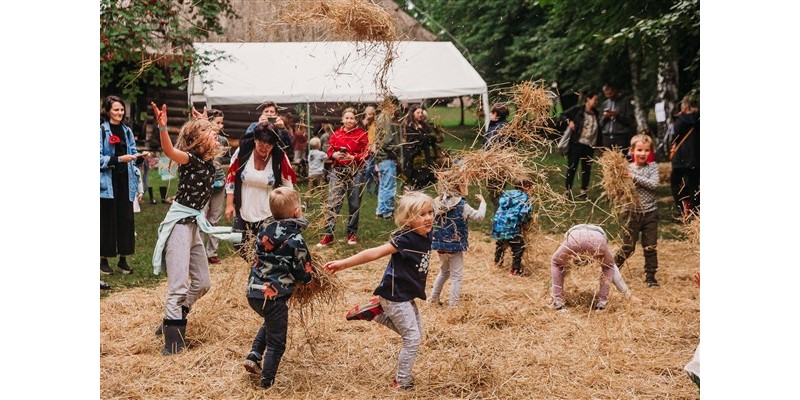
(585, 242)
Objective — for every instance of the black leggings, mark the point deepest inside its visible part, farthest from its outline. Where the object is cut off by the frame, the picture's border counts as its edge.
(517, 248)
(583, 153)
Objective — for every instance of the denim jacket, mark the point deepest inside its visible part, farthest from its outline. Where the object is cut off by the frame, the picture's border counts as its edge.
(106, 152)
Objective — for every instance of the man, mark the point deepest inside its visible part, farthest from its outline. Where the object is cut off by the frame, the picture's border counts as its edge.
(617, 124)
(270, 114)
(685, 155)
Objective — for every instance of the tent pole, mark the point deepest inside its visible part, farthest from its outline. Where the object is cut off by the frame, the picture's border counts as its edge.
(486, 114)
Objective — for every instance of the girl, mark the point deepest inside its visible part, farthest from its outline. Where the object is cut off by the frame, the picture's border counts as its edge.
(348, 150)
(179, 239)
(450, 238)
(403, 281)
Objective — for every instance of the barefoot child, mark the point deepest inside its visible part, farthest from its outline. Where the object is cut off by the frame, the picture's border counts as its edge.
(590, 240)
(403, 281)
(450, 238)
(643, 217)
(282, 258)
(179, 246)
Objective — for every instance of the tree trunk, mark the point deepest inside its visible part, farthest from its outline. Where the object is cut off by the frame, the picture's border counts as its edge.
(461, 102)
(666, 90)
(639, 113)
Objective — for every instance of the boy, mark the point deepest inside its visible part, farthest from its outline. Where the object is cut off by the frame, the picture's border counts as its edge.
(513, 212)
(282, 258)
(316, 164)
(642, 217)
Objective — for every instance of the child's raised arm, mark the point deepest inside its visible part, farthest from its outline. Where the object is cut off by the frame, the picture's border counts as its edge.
(362, 257)
(174, 154)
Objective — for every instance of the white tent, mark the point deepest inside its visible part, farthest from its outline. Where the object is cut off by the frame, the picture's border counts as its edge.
(308, 72)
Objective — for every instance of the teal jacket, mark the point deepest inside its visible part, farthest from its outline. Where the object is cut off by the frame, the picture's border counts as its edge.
(177, 212)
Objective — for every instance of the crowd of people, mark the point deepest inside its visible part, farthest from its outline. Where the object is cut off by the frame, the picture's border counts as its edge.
(256, 186)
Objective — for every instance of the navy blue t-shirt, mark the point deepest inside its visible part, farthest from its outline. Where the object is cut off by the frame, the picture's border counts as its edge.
(407, 271)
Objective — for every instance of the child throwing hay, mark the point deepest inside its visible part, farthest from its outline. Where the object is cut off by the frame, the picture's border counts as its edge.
(403, 281)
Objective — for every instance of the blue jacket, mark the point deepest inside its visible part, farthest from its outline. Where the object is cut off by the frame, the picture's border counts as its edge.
(106, 153)
(513, 212)
(282, 258)
(450, 233)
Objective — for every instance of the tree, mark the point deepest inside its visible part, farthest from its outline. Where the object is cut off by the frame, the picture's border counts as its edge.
(148, 43)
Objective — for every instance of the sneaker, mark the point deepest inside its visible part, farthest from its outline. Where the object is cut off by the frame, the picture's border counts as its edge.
(126, 269)
(213, 260)
(351, 239)
(568, 195)
(388, 216)
(601, 305)
(104, 286)
(651, 282)
(252, 364)
(516, 272)
(397, 386)
(365, 312)
(106, 269)
(558, 304)
(327, 240)
(583, 196)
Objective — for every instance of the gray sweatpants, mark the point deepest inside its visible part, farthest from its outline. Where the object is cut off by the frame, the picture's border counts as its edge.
(188, 278)
(453, 268)
(403, 318)
(214, 209)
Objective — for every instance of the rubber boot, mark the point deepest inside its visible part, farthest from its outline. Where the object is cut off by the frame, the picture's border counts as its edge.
(162, 190)
(174, 335)
(150, 193)
(184, 313)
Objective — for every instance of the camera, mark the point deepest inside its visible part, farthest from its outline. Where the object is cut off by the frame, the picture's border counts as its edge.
(272, 119)
(343, 150)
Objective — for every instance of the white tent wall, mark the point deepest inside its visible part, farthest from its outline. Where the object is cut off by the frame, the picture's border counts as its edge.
(309, 72)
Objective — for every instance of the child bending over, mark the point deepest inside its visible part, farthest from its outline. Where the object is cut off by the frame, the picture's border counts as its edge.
(282, 258)
(450, 238)
(403, 281)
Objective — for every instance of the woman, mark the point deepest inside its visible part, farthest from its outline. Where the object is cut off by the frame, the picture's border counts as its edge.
(348, 148)
(216, 205)
(584, 123)
(497, 121)
(258, 166)
(119, 186)
(418, 139)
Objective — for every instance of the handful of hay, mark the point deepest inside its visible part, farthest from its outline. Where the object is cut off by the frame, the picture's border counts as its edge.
(616, 181)
(323, 290)
(349, 20)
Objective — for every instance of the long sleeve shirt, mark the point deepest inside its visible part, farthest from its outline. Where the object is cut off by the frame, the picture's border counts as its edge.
(646, 179)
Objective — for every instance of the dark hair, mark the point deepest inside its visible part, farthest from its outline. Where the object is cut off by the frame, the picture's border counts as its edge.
(265, 132)
(589, 94)
(107, 103)
(501, 110)
(266, 104)
(214, 113)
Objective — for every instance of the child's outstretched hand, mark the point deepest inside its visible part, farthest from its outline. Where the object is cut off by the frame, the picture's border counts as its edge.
(480, 198)
(198, 115)
(331, 267)
(160, 115)
(634, 299)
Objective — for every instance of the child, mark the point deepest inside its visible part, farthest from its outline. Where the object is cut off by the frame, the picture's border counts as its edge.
(403, 281)
(642, 217)
(316, 164)
(188, 279)
(282, 258)
(590, 240)
(512, 214)
(450, 238)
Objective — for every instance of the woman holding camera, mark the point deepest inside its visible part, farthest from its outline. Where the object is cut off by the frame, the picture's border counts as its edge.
(347, 148)
(257, 166)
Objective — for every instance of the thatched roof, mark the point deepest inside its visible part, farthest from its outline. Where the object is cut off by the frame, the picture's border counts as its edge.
(260, 22)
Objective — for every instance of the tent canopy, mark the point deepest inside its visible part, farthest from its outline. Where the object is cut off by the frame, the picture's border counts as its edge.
(308, 72)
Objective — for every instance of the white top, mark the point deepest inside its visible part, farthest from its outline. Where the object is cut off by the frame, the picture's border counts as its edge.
(256, 186)
(316, 162)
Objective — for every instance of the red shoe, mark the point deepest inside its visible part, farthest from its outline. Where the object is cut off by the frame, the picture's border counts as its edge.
(366, 312)
(213, 260)
(397, 386)
(351, 239)
(327, 240)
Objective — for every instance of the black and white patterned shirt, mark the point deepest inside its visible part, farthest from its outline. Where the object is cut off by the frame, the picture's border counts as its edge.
(646, 180)
(194, 185)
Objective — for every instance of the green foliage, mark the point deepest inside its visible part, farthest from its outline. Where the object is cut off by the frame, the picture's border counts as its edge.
(148, 43)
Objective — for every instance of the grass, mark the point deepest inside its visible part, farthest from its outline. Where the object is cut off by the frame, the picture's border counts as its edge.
(374, 231)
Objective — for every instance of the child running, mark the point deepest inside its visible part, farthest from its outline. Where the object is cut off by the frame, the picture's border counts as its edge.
(282, 258)
(403, 281)
(643, 217)
(589, 240)
(512, 214)
(451, 238)
(179, 244)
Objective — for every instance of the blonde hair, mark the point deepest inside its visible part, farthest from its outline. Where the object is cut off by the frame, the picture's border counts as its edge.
(315, 143)
(349, 110)
(409, 206)
(191, 140)
(283, 201)
(641, 138)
